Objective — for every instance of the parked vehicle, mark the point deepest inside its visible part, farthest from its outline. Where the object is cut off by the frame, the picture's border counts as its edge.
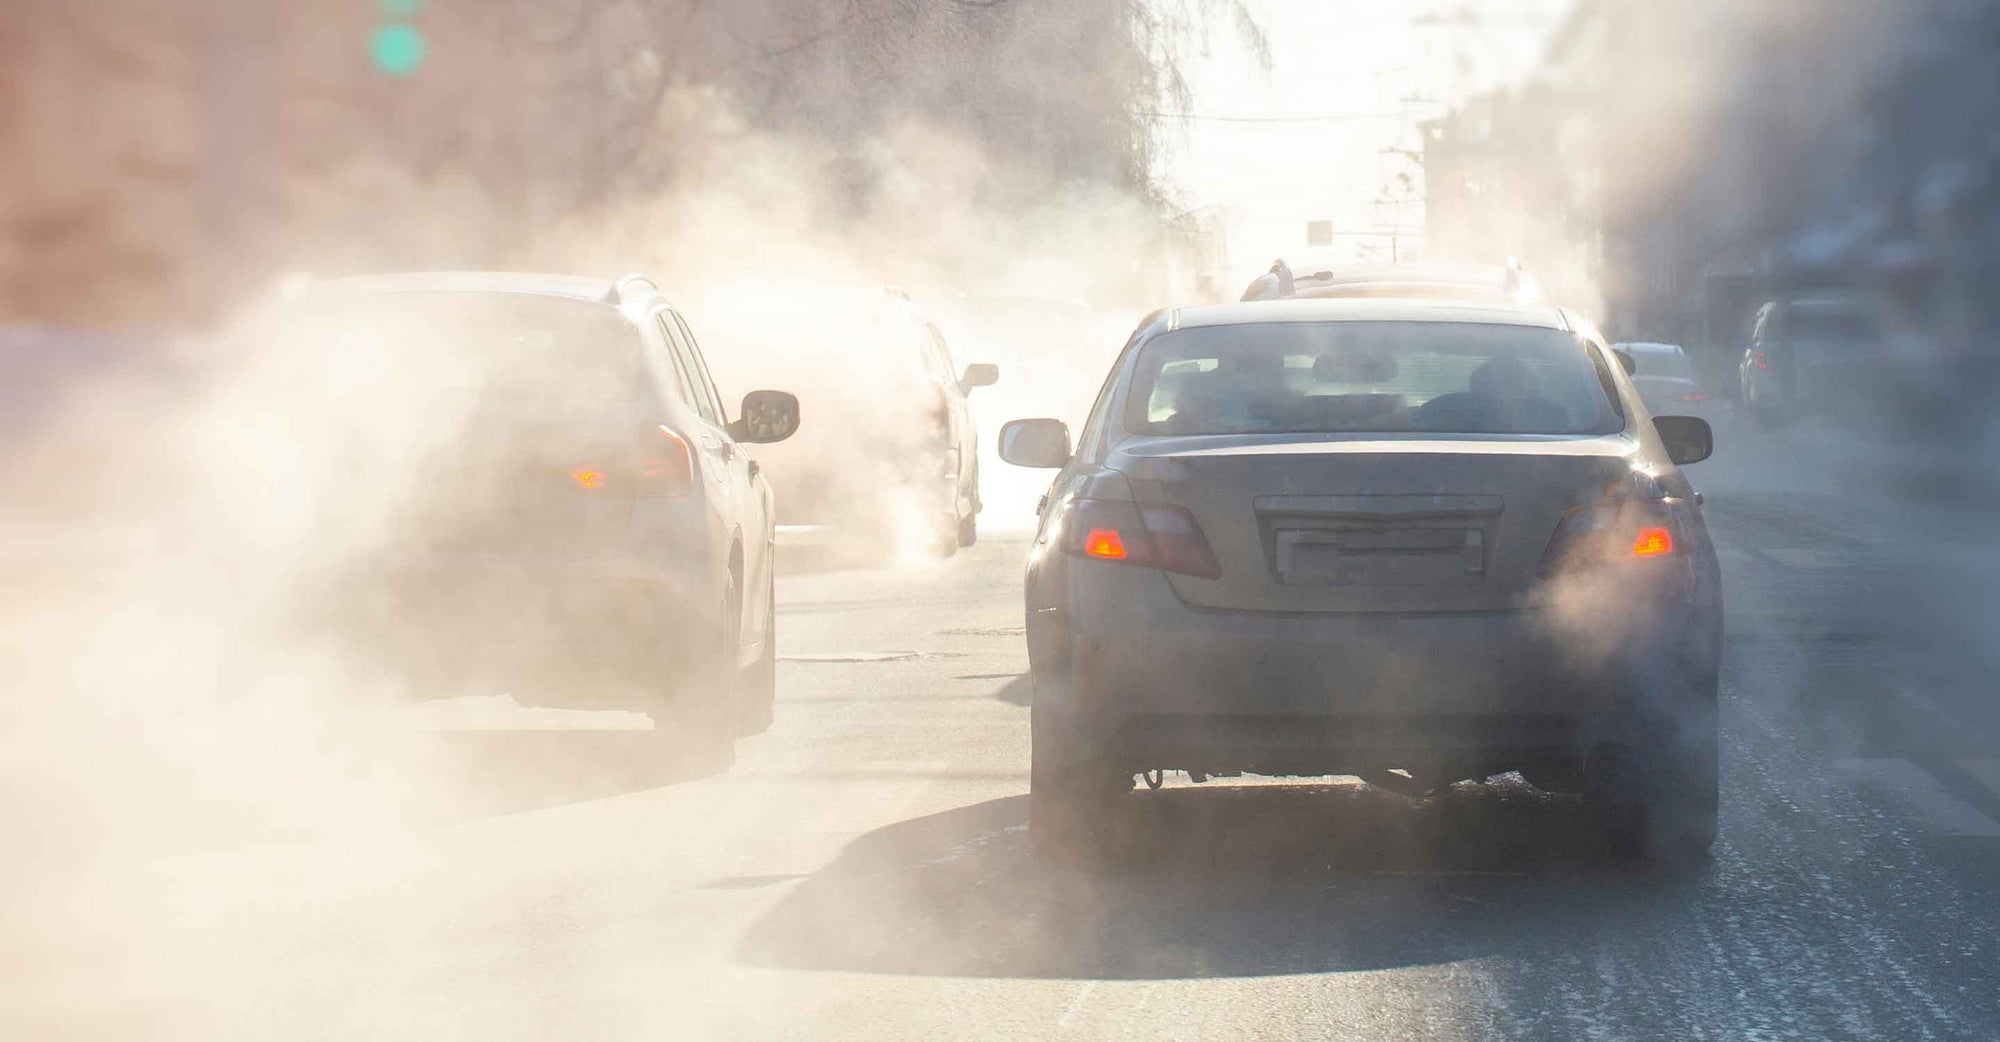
(1365, 536)
(1812, 356)
(1666, 379)
(560, 508)
(1484, 283)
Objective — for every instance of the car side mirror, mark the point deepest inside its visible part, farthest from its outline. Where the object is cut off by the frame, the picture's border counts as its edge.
(1041, 443)
(979, 374)
(766, 416)
(1688, 438)
(1625, 360)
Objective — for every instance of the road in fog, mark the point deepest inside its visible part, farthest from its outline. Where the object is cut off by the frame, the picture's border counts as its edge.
(863, 872)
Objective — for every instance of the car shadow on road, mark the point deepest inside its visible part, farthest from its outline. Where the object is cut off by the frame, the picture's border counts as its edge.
(507, 772)
(1019, 691)
(1245, 881)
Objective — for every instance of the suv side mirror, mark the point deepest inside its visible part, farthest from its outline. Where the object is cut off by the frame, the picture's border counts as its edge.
(766, 416)
(1625, 359)
(979, 374)
(1688, 438)
(1039, 443)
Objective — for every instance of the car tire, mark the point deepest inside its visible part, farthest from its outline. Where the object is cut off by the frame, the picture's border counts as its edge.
(698, 721)
(947, 535)
(1073, 797)
(758, 687)
(1658, 802)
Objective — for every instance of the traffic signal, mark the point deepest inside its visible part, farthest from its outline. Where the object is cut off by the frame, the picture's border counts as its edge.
(396, 47)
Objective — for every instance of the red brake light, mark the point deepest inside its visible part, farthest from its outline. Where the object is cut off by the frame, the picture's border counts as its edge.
(1163, 537)
(1653, 541)
(663, 468)
(1105, 543)
(1634, 520)
(1694, 396)
(1760, 360)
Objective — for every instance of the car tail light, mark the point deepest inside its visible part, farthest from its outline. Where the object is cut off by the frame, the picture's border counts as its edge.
(663, 468)
(1694, 396)
(1653, 542)
(1105, 544)
(1164, 537)
(1634, 520)
(1760, 359)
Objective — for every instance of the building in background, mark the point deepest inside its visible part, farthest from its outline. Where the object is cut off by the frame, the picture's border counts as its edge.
(1672, 166)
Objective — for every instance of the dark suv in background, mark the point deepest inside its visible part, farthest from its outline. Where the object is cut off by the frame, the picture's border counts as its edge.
(1809, 356)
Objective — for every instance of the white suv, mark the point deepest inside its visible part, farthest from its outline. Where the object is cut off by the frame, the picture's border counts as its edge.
(562, 506)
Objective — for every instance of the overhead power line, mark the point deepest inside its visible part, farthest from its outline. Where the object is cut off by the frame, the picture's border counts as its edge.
(1331, 117)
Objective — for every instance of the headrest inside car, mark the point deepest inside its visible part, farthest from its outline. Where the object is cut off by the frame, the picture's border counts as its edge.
(1354, 367)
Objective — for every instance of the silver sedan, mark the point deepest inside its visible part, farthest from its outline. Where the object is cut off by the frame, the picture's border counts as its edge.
(1411, 541)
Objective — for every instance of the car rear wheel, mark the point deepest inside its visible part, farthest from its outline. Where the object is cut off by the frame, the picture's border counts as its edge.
(968, 523)
(699, 718)
(1659, 802)
(1074, 798)
(944, 535)
(759, 684)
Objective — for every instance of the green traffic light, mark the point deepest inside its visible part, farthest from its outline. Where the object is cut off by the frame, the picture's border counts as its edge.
(397, 49)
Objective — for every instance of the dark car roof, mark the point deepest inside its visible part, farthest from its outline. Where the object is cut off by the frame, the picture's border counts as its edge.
(1367, 309)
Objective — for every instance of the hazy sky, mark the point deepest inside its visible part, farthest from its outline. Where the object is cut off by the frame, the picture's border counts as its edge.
(1349, 79)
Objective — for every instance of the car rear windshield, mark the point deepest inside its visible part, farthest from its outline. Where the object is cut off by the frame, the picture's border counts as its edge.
(1832, 332)
(1307, 377)
(523, 355)
(1828, 323)
(1670, 364)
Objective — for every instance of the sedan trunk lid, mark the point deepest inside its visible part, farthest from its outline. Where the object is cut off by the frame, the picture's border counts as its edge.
(1367, 524)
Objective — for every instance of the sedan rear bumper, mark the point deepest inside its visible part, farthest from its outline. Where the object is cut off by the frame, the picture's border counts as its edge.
(579, 633)
(1157, 683)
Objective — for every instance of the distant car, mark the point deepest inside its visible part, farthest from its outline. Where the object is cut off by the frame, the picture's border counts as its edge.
(897, 464)
(1666, 379)
(1810, 356)
(532, 487)
(1413, 280)
(1361, 536)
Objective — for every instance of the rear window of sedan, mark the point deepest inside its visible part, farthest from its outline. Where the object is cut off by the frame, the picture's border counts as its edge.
(1341, 377)
(1667, 363)
(515, 354)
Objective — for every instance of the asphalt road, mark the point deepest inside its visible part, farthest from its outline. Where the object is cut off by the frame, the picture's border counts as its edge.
(862, 871)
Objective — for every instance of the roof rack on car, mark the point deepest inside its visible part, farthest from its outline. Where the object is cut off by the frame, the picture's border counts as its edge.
(630, 286)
